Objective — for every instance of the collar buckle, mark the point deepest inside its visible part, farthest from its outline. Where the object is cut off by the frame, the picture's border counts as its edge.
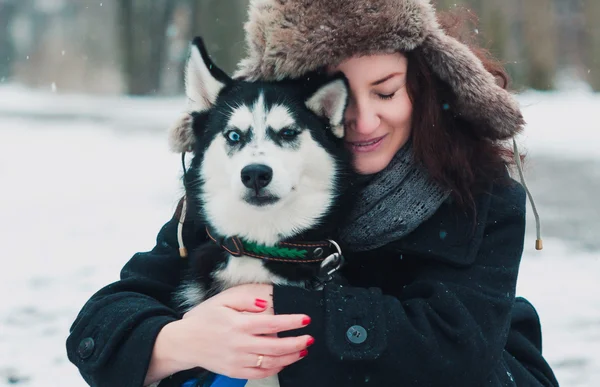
(331, 264)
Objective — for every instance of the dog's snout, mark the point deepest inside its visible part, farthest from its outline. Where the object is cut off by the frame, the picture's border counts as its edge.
(256, 176)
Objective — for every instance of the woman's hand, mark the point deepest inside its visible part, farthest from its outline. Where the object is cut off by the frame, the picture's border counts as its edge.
(226, 334)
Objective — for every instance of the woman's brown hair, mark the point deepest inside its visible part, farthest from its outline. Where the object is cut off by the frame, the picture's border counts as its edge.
(453, 151)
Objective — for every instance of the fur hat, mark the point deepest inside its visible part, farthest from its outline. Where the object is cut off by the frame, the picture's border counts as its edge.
(287, 38)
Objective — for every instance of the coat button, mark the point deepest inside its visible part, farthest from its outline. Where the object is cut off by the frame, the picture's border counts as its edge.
(86, 348)
(356, 334)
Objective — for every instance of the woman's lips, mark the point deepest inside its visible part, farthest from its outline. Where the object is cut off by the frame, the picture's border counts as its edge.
(365, 146)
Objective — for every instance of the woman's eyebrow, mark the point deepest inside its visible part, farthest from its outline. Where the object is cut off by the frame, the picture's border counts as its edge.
(380, 81)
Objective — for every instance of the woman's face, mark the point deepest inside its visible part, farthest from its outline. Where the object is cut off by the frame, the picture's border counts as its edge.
(378, 117)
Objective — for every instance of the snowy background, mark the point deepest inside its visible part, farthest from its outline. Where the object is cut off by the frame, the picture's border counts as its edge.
(88, 181)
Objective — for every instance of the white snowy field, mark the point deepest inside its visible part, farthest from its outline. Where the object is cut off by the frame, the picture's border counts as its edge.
(87, 181)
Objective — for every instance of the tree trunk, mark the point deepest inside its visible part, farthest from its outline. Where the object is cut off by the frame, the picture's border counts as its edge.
(143, 30)
(539, 36)
(221, 24)
(7, 49)
(591, 10)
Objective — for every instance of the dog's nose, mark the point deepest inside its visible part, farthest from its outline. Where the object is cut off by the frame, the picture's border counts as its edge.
(256, 176)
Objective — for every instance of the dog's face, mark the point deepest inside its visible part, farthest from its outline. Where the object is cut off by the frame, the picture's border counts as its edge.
(267, 154)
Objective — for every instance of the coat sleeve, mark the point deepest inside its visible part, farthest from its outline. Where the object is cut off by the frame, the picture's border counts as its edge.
(447, 327)
(112, 338)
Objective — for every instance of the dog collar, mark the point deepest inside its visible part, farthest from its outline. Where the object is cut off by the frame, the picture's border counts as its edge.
(296, 252)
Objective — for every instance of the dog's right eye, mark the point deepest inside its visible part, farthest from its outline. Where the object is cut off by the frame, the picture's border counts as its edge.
(233, 136)
(289, 134)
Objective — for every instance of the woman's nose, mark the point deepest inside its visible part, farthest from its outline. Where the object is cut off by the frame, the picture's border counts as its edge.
(361, 119)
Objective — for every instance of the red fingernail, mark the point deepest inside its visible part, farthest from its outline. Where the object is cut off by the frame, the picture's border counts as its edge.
(310, 341)
(260, 303)
(303, 353)
(306, 321)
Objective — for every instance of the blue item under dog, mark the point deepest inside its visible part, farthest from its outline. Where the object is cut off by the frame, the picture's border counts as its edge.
(218, 381)
(224, 381)
(190, 383)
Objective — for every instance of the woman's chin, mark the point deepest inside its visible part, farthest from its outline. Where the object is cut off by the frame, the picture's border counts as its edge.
(370, 164)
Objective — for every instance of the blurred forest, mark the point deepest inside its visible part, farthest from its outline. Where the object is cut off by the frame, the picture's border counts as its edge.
(138, 47)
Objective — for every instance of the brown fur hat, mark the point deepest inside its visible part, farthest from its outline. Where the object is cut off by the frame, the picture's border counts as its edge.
(287, 38)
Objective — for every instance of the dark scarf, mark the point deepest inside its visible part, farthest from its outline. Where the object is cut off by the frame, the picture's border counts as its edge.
(392, 203)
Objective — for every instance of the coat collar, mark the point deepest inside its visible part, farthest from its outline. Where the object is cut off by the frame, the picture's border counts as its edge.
(451, 234)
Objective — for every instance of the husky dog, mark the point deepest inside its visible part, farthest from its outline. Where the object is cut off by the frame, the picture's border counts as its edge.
(267, 177)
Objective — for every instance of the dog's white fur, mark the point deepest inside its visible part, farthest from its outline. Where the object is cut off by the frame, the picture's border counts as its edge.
(245, 270)
(301, 179)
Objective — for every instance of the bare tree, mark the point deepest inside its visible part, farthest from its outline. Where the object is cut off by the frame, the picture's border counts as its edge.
(538, 26)
(491, 25)
(143, 28)
(66, 45)
(7, 49)
(591, 10)
(522, 34)
(220, 22)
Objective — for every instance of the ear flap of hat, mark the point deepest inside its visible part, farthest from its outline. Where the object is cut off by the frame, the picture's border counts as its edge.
(330, 101)
(479, 98)
(203, 83)
(181, 134)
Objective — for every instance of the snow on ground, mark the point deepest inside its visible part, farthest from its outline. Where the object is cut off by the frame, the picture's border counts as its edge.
(562, 124)
(88, 181)
(77, 201)
(563, 286)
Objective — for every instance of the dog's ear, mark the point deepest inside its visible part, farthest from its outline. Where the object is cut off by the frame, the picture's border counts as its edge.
(203, 79)
(330, 101)
(203, 83)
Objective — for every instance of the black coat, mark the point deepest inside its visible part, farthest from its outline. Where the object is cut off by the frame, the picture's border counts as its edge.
(436, 308)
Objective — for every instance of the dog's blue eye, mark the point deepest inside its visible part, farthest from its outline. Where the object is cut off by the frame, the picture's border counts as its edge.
(289, 134)
(233, 136)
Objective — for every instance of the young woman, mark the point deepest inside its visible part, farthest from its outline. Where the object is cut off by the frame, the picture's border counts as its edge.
(439, 223)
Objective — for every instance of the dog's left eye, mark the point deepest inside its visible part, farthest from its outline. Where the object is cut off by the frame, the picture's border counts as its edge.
(289, 134)
(233, 136)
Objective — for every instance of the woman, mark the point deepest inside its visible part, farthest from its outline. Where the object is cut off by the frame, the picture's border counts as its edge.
(439, 229)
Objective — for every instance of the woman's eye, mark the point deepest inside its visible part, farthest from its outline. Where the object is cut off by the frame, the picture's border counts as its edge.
(234, 136)
(288, 134)
(386, 96)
